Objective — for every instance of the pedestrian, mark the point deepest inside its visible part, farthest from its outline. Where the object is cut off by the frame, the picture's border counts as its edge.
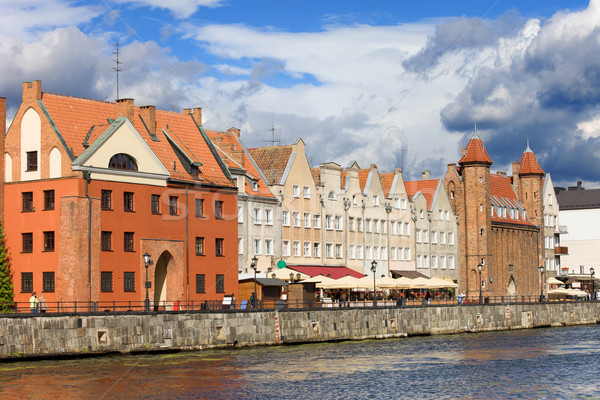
(42, 303)
(33, 303)
(232, 301)
(253, 300)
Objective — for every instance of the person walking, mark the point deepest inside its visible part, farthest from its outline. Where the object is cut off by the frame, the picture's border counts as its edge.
(33, 303)
(42, 303)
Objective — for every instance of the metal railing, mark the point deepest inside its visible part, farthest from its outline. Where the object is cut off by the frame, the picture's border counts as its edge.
(104, 307)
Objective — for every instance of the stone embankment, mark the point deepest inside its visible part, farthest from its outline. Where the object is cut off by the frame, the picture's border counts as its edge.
(37, 336)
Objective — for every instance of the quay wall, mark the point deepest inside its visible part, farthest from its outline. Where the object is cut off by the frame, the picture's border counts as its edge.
(39, 336)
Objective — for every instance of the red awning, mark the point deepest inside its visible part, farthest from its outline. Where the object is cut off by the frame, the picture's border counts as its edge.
(332, 272)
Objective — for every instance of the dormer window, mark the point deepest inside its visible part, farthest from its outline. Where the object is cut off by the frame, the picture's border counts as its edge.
(123, 161)
(255, 186)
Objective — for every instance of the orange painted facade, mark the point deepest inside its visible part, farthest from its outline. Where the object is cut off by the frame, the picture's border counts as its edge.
(96, 251)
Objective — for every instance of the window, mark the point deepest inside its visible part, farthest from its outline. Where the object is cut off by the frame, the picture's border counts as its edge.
(426, 236)
(407, 229)
(369, 252)
(268, 216)
(173, 205)
(296, 191)
(128, 201)
(384, 253)
(306, 192)
(328, 222)
(351, 223)
(240, 245)
(352, 252)
(359, 251)
(26, 282)
(403, 204)
(377, 253)
(400, 253)
(285, 218)
(396, 203)
(434, 262)
(442, 237)
(383, 226)
(255, 186)
(375, 200)
(122, 161)
(376, 225)
(155, 203)
(296, 248)
(418, 232)
(407, 254)
(316, 221)
(200, 283)
(128, 241)
(307, 220)
(219, 247)
(49, 241)
(451, 238)
(269, 247)
(240, 214)
(359, 225)
(443, 262)
(296, 218)
(32, 161)
(129, 281)
(400, 228)
(338, 250)
(220, 283)
(219, 209)
(451, 262)
(316, 249)
(433, 237)
(329, 250)
(256, 216)
(199, 246)
(421, 214)
(426, 261)
(106, 281)
(106, 200)
(48, 282)
(27, 242)
(447, 215)
(393, 228)
(338, 223)
(419, 262)
(306, 249)
(286, 248)
(48, 199)
(27, 201)
(368, 225)
(199, 203)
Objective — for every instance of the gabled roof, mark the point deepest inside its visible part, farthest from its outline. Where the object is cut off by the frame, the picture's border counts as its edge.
(387, 178)
(475, 152)
(529, 163)
(272, 161)
(363, 175)
(236, 156)
(427, 187)
(81, 121)
(503, 195)
(316, 175)
(578, 198)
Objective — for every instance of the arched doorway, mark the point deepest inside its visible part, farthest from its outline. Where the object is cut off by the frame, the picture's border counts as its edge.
(474, 283)
(160, 279)
(511, 290)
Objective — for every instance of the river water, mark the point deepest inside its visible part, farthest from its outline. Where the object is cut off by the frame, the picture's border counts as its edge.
(552, 363)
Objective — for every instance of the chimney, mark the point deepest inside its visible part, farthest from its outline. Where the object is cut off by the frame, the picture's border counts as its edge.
(2, 162)
(187, 111)
(124, 109)
(425, 175)
(501, 173)
(148, 114)
(32, 91)
(234, 131)
(398, 171)
(197, 115)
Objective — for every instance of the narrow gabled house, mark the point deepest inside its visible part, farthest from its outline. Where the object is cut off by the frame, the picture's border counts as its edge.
(93, 186)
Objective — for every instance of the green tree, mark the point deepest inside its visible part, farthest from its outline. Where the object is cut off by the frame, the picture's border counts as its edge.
(7, 293)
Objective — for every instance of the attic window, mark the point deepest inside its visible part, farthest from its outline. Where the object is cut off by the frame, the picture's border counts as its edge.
(123, 161)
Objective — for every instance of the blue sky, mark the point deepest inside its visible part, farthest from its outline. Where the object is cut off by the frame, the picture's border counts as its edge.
(395, 83)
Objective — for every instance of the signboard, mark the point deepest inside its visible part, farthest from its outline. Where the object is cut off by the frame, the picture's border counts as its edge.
(281, 264)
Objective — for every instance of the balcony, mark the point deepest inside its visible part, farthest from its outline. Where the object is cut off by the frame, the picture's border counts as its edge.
(561, 250)
(561, 229)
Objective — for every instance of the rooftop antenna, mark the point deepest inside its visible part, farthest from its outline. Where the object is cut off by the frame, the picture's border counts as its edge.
(402, 159)
(273, 140)
(117, 67)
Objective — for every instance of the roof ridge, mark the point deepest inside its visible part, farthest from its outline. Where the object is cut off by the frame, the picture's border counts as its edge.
(78, 98)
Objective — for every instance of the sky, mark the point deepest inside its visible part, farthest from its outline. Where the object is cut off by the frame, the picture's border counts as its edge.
(396, 83)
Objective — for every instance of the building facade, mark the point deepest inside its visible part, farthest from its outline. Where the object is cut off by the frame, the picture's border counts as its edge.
(92, 186)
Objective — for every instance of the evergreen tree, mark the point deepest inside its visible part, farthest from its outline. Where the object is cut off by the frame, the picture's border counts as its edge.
(7, 294)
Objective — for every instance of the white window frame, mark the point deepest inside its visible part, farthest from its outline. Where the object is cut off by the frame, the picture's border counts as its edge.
(296, 248)
(307, 218)
(307, 249)
(296, 191)
(328, 222)
(269, 247)
(317, 221)
(316, 249)
(296, 219)
(306, 192)
(256, 215)
(240, 245)
(257, 249)
(240, 214)
(285, 218)
(339, 223)
(328, 250)
(268, 216)
(339, 251)
(286, 248)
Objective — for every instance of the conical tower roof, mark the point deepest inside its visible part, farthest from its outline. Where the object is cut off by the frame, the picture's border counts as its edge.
(475, 153)
(529, 163)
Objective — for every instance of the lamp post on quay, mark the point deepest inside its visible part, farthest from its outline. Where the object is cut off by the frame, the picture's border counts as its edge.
(147, 261)
(479, 266)
(254, 265)
(541, 283)
(374, 269)
(593, 288)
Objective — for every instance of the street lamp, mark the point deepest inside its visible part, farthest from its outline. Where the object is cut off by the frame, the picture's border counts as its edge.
(253, 265)
(593, 289)
(541, 283)
(373, 269)
(147, 261)
(479, 266)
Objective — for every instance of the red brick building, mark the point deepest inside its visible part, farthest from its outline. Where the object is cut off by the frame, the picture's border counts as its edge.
(91, 186)
(500, 220)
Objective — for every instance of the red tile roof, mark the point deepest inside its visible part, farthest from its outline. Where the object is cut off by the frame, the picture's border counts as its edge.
(74, 117)
(316, 270)
(343, 179)
(316, 175)
(363, 174)
(503, 195)
(387, 179)
(529, 164)
(427, 187)
(272, 161)
(475, 152)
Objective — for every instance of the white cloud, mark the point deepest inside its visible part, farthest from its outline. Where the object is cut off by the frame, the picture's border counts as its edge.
(179, 8)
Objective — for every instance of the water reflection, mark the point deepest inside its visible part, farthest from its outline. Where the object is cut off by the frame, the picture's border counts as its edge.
(548, 363)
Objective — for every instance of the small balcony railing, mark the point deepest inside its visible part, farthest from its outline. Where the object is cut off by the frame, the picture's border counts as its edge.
(562, 229)
(561, 250)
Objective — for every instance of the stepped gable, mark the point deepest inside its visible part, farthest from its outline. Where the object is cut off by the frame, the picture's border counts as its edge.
(427, 187)
(529, 163)
(503, 195)
(272, 161)
(75, 117)
(475, 152)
